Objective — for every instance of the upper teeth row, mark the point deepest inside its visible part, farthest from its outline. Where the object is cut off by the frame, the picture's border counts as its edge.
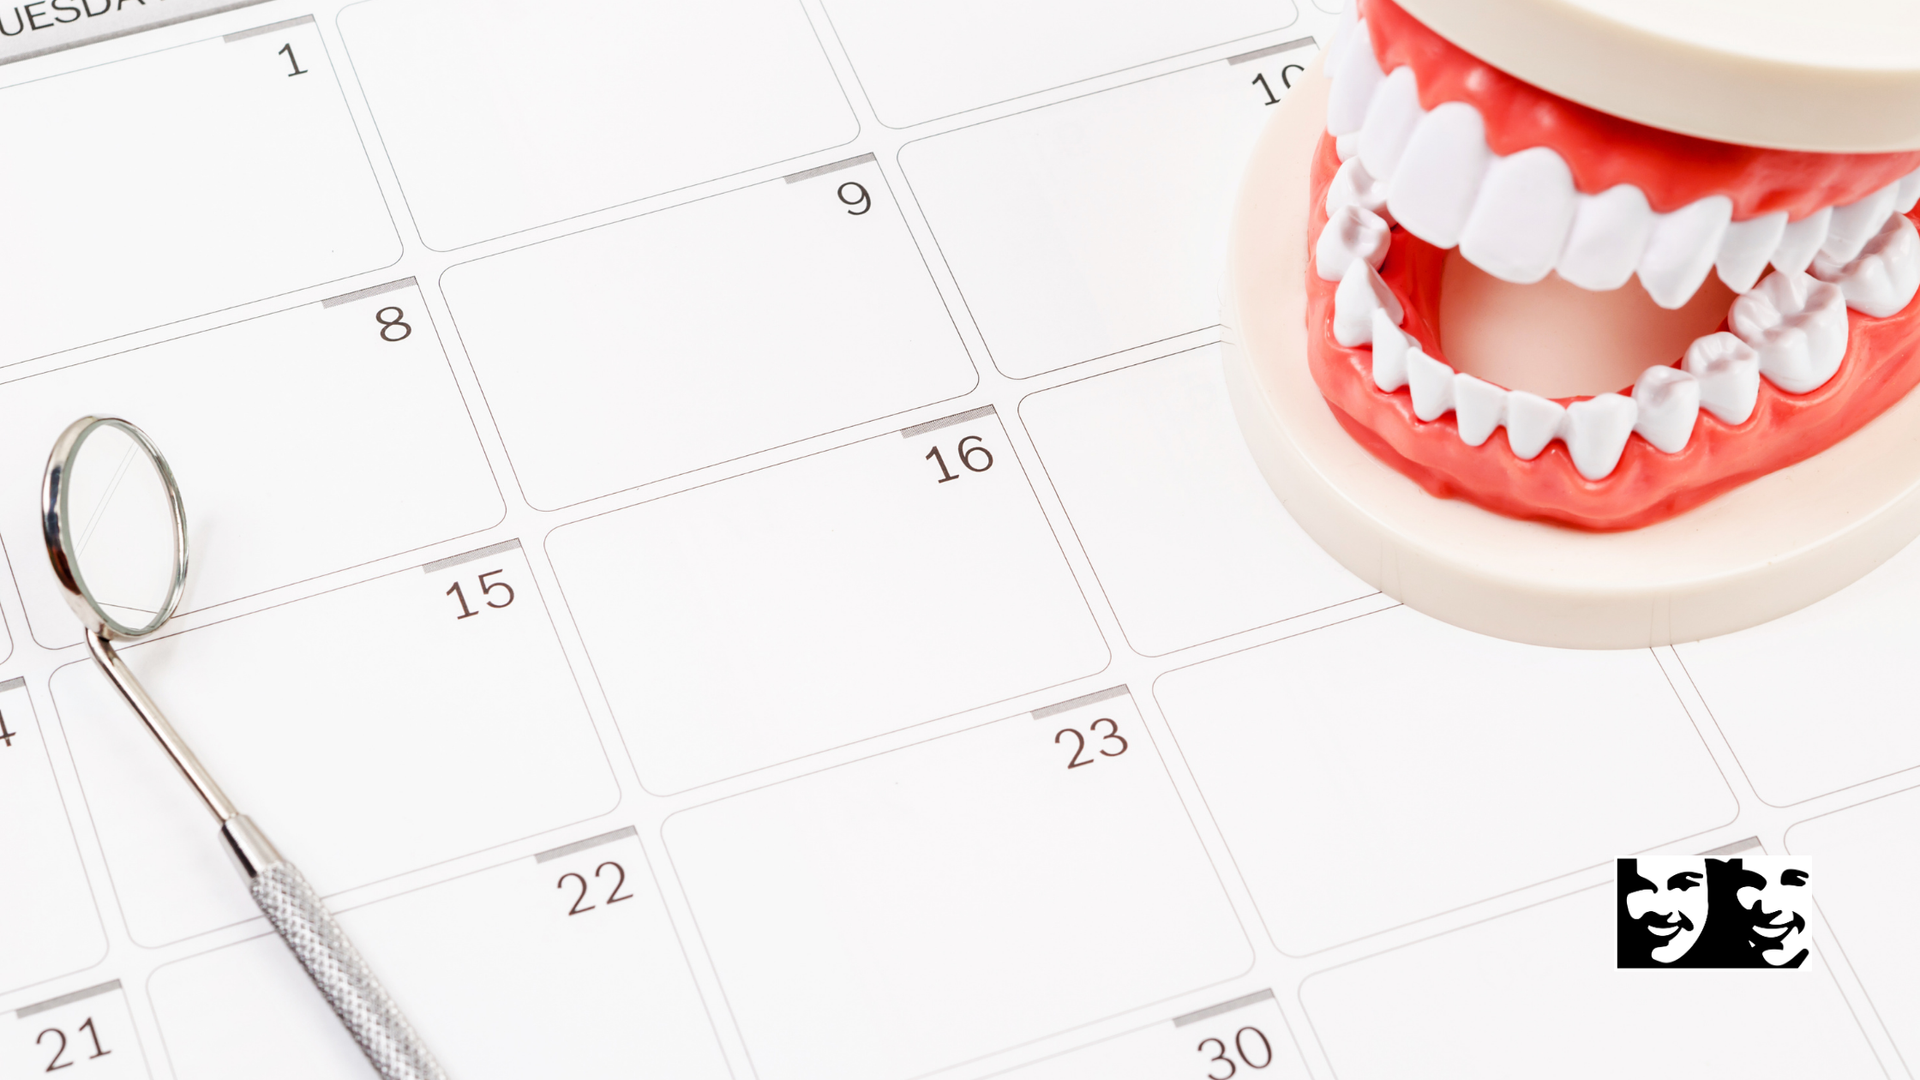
(1518, 216)
(1791, 328)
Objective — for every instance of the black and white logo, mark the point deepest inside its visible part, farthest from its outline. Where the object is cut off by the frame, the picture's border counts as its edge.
(1694, 911)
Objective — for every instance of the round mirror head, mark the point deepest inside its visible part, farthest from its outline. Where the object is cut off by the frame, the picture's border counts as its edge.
(115, 528)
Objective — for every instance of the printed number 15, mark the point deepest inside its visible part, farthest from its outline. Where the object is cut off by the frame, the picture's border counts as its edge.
(486, 589)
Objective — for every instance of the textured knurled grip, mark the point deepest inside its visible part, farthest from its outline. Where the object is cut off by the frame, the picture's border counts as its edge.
(295, 910)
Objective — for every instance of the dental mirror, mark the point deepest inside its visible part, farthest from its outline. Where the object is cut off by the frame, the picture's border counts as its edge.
(116, 533)
(116, 530)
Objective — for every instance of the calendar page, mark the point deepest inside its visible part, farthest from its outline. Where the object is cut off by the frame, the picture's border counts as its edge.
(720, 546)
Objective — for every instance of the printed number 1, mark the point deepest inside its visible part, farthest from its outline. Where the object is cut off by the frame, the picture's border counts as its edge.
(287, 51)
(6, 737)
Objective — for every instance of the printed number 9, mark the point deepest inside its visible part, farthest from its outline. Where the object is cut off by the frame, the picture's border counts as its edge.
(387, 326)
(860, 198)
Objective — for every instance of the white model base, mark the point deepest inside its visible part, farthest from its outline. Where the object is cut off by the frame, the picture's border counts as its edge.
(1753, 554)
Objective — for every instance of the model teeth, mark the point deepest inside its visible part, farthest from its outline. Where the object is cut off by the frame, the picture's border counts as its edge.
(1881, 280)
(1478, 408)
(1521, 216)
(1353, 185)
(1797, 325)
(1391, 117)
(1610, 230)
(1728, 372)
(1509, 214)
(1433, 189)
(1359, 294)
(1800, 241)
(1353, 234)
(1747, 246)
(1668, 402)
(1596, 433)
(1856, 223)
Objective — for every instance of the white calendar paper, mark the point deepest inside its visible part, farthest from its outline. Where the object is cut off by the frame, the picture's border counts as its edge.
(721, 547)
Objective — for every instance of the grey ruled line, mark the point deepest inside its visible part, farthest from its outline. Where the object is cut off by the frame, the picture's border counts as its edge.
(242, 35)
(1224, 1007)
(1071, 704)
(918, 430)
(67, 999)
(1269, 50)
(822, 170)
(14, 683)
(141, 28)
(438, 565)
(1734, 848)
(565, 850)
(371, 290)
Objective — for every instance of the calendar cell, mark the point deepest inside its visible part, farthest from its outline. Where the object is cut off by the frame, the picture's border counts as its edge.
(496, 122)
(183, 181)
(507, 973)
(705, 332)
(1099, 224)
(371, 730)
(1184, 534)
(52, 925)
(1390, 768)
(825, 600)
(924, 907)
(926, 60)
(1536, 993)
(89, 1030)
(304, 442)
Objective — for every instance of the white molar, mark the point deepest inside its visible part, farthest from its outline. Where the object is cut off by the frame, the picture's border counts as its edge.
(1521, 216)
(1856, 223)
(1882, 279)
(1800, 241)
(1430, 382)
(1532, 422)
(1728, 371)
(1683, 248)
(1391, 117)
(1478, 408)
(1356, 75)
(1345, 146)
(1353, 185)
(1747, 247)
(1354, 233)
(1433, 188)
(1596, 433)
(1610, 231)
(1797, 325)
(1390, 348)
(1668, 402)
(1359, 294)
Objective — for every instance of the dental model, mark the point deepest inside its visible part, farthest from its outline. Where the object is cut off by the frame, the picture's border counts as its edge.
(1590, 323)
(1798, 269)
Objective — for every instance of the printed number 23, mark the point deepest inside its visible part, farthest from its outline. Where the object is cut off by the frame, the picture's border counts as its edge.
(1111, 735)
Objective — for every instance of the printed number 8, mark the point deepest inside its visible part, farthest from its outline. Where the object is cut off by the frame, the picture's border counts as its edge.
(387, 326)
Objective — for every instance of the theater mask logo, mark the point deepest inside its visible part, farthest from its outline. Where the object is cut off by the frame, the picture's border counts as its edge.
(1695, 911)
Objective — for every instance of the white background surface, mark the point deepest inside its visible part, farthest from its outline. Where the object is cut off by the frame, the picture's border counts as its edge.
(752, 626)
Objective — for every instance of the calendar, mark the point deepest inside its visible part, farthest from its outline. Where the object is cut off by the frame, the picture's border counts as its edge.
(721, 545)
